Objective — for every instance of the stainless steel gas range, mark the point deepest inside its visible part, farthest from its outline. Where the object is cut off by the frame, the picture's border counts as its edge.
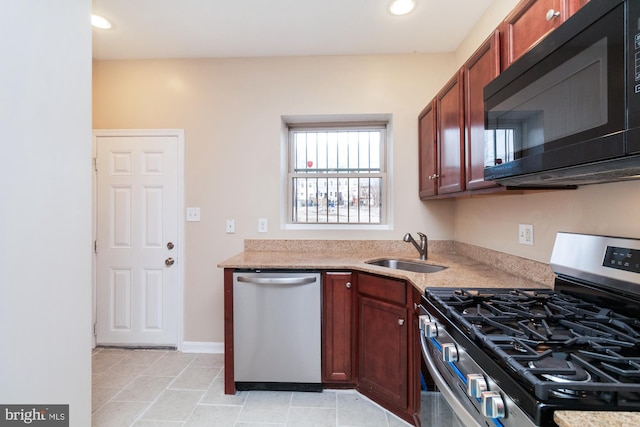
(511, 357)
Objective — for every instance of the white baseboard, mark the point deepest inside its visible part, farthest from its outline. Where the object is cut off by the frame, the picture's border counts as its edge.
(202, 347)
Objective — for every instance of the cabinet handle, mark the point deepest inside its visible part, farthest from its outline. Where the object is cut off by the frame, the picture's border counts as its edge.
(551, 14)
(400, 322)
(348, 285)
(434, 176)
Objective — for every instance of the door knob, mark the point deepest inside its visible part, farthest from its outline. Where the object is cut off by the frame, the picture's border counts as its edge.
(348, 285)
(170, 245)
(169, 261)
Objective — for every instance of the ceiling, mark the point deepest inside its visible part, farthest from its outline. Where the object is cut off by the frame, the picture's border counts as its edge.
(253, 28)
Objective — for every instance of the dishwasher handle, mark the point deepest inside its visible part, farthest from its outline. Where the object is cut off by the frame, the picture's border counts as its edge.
(277, 280)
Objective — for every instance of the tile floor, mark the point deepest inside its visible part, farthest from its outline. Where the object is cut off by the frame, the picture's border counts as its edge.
(157, 388)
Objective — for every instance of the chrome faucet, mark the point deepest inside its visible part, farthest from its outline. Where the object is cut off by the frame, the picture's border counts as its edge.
(422, 247)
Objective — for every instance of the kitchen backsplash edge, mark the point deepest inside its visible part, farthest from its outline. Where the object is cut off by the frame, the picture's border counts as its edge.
(398, 248)
(537, 271)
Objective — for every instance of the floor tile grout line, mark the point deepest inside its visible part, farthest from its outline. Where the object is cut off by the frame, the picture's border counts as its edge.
(337, 410)
(168, 387)
(150, 404)
(286, 420)
(205, 392)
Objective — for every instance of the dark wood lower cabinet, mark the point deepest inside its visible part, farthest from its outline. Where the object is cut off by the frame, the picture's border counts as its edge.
(383, 340)
(388, 370)
(338, 329)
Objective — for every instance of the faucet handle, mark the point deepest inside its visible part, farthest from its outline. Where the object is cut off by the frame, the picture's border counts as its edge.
(422, 236)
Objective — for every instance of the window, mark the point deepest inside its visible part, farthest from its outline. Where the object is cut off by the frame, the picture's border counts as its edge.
(337, 173)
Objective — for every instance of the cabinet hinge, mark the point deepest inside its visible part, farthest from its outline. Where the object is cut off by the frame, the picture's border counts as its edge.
(95, 328)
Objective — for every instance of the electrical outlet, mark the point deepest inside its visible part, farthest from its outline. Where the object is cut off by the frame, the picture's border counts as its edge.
(231, 226)
(262, 225)
(193, 214)
(525, 234)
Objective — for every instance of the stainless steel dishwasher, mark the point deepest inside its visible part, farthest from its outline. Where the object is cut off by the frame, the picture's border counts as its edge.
(277, 330)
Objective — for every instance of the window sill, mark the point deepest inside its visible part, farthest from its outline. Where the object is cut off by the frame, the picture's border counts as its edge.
(367, 227)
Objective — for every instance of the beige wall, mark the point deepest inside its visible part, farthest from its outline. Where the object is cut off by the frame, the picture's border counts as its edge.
(230, 110)
(496, 12)
(492, 222)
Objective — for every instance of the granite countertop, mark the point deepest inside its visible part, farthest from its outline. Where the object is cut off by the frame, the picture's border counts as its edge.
(596, 419)
(461, 271)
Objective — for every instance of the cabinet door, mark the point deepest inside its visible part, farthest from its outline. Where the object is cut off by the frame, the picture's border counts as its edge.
(527, 24)
(575, 5)
(450, 131)
(480, 69)
(427, 151)
(338, 328)
(383, 351)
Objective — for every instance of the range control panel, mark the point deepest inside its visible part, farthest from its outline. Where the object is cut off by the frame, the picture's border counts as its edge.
(622, 259)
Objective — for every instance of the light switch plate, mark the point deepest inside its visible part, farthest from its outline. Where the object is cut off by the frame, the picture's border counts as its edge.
(193, 214)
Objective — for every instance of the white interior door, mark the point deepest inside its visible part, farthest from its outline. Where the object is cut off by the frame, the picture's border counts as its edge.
(137, 243)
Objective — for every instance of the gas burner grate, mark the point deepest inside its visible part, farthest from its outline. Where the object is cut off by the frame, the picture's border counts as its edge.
(591, 350)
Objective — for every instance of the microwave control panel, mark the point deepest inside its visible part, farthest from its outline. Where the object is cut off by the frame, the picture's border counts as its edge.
(637, 62)
(633, 13)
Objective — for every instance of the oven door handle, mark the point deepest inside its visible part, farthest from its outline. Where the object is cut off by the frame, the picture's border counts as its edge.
(458, 408)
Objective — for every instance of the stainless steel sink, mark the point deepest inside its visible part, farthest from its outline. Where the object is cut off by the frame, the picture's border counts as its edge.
(398, 264)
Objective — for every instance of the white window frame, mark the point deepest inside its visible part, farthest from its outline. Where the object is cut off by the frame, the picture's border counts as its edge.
(324, 121)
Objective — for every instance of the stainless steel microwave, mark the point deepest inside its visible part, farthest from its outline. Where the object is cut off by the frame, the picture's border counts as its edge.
(567, 112)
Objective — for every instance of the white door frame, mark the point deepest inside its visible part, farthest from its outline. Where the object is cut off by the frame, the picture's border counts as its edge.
(180, 262)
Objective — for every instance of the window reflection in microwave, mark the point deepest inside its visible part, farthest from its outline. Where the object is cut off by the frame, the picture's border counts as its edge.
(499, 146)
(570, 99)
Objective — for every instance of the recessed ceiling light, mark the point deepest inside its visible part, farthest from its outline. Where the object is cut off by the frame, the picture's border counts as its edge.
(98, 21)
(402, 7)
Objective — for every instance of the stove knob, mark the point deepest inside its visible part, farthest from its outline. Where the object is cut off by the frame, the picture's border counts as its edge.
(492, 405)
(428, 327)
(476, 384)
(431, 329)
(449, 352)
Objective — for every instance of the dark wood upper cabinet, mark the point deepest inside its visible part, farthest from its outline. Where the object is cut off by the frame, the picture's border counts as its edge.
(575, 5)
(427, 150)
(527, 24)
(450, 131)
(531, 21)
(480, 69)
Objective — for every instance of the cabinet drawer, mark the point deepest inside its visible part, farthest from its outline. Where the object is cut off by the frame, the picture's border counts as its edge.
(384, 288)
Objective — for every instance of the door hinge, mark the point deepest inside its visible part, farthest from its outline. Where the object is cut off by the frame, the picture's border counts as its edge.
(95, 328)
(95, 246)
(95, 164)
